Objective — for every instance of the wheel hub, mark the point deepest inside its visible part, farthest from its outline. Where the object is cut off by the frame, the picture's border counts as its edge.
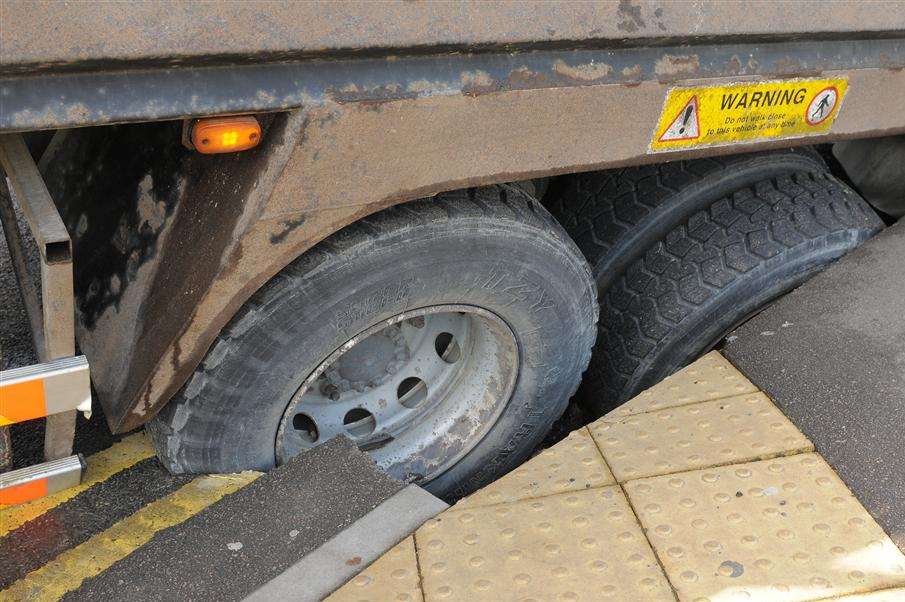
(369, 363)
(418, 391)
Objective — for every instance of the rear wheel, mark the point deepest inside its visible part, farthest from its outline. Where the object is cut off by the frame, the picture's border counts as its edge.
(685, 251)
(443, 336)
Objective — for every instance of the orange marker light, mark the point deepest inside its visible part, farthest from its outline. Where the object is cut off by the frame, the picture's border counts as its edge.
(226, 134)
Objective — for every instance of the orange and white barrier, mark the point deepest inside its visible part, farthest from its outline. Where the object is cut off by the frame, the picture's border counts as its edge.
(32, 482)
(43, 389)
(35, 392)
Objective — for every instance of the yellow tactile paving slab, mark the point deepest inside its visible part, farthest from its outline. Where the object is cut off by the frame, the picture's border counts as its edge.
(572, 464)
(67, 571)
(782, 529)
(887, 595)
(712, 433)
(711, 377)
(582, 545)
(101, 466)
(736, 506)
(393, 577)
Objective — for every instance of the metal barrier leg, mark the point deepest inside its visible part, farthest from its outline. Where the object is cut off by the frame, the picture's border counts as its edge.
(6, 449)
(55, 319)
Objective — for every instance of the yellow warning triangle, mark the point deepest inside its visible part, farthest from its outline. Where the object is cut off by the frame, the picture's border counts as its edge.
(686, 125)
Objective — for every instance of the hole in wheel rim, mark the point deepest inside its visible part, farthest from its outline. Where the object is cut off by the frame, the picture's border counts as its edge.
(411, 392)
(306, 427)
(447, 348)
(425, 408)
(359, 422)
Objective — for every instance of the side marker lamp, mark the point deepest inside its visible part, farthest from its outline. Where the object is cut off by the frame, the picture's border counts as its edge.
(225, 134)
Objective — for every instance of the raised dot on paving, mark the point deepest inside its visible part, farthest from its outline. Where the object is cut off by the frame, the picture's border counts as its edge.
(581, 545)
(392, 577)
(572, 464)
(731, 430)
(711, 377)
(786, 528)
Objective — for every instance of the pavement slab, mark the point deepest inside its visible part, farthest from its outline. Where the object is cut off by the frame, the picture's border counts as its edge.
(571, 465)
(394, 577)
(780, 529)
(710, 377)
(583, 545)
(724, 431)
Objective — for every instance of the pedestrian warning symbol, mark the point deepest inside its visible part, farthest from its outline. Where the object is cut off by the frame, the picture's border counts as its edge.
(685, 126)
(736, 113)
(822, 105)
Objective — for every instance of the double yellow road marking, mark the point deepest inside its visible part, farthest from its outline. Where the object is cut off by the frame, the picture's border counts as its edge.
(69, 569)
(101, 466)
(66, 572)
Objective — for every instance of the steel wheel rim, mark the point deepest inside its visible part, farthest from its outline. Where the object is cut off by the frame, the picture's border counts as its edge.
(417, 391)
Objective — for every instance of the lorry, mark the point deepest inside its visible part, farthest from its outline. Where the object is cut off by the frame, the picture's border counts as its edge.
(424, 226)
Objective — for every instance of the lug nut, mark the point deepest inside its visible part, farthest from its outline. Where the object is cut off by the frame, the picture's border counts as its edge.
(330, 390)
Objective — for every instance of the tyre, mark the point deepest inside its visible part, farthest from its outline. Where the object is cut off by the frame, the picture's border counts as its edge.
(683, 252)
(443, 336)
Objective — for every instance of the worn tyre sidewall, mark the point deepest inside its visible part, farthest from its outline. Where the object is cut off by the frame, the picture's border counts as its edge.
(535, 281)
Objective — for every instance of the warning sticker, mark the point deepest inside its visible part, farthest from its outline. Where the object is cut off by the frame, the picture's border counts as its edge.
(729, 114)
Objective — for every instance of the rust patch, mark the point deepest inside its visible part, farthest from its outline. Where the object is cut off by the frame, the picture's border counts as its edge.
(424, 86)
(788, 63)
(587, 72)
(633, 72)
(526, 78)
(793, 66)
(372, 95)
(475, 83)
(671, 65)
(354, 561)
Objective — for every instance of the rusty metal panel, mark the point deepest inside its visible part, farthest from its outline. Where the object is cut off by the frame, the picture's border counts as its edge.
(178, 31)
(120, 95)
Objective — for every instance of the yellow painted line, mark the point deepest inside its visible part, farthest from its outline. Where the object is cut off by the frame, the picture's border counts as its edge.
(101, 466)
(67, 571)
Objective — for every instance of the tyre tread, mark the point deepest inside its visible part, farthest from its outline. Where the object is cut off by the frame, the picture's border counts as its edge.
(679, 278)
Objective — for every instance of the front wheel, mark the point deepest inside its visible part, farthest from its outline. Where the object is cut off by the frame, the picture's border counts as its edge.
(443, 336)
